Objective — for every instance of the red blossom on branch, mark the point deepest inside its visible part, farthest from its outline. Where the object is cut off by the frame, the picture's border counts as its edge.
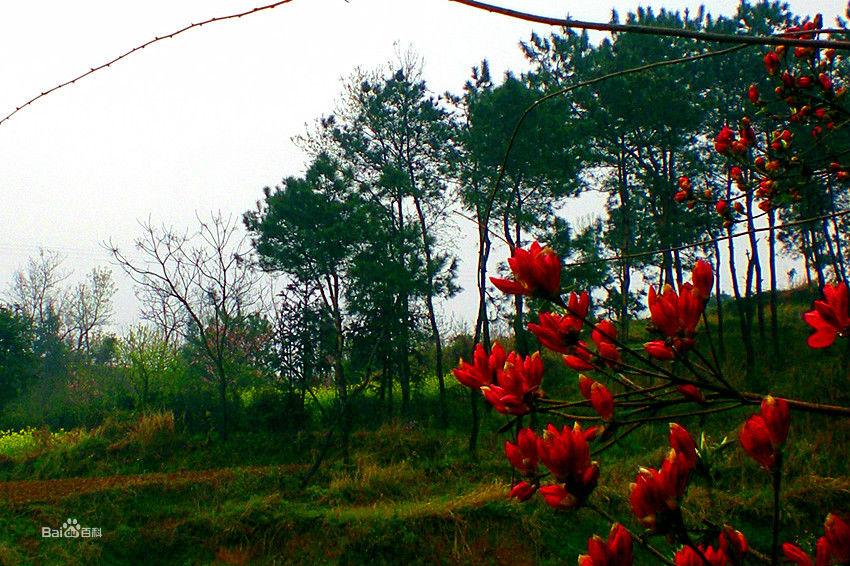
(523, 454)
(517, 385)
(567, 455)
(484, 367)
(536, 271)
(832, 548)
(616, 551)
(559, 332)
(599, 396)
(764, 433)
(830, 317)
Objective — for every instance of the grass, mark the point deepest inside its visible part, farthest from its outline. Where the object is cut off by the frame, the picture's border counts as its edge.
(413, 494)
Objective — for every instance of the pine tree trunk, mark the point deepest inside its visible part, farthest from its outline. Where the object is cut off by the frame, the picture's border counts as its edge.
(717, 298)
(432, 316)
(774, 320)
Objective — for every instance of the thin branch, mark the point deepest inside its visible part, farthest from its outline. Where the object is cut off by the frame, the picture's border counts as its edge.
(662, 31)
(139, 48)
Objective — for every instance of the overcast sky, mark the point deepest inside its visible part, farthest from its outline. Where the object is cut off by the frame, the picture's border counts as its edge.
(204, 121)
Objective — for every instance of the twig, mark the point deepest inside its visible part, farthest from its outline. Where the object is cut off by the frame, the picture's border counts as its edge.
(139, 48)
(661, 31)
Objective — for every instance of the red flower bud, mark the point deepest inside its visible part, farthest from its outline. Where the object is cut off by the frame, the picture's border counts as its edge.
(659, 350)
(771, 62)
(522, 491)
(690, 392)
(764, 433)
(753, 93)
(837, 533)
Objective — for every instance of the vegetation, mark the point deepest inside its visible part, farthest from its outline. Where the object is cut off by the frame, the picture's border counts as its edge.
(287, 393)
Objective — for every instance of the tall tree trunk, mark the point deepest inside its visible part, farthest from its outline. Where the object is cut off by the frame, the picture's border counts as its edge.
(404, 329)
(482, 324)
(746, 337)
(432, 316)
(807, 257)
(717, 292)
(839, 245)
(625, 244)
(755, 258)
(339, 374)
(774, 320)
(818, 256)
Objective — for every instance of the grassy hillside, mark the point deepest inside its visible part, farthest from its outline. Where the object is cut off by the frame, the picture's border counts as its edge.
(413, 494)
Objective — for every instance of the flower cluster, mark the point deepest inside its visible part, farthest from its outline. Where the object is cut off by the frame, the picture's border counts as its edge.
(509, 382)
(566, 454)
(536, 273)
(676, 315)
(615, 551)
(656, 494)
(794, 143)
(731, 548)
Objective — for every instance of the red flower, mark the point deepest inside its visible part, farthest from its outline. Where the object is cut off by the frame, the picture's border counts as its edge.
(522, 491)
(832, 548)
(559, 332)
(523, 454)
(557, 497)
(837, 534)
(690, 392)
(567, 455)
(603, 335)
(659, 350)
(724, 139)
(771, 62)
(483, 369)
(518, 384)
(764, 433)
(682, 442)
(733, 544)
(580, 359)
(753, 94)
(616, 551)
(830, 317)
(536, 271)
(687, 556)
(676, 316)
(722, 207)
(599, 396)
(730, 550)
(703, 279)
(796, 554)
(655, 494)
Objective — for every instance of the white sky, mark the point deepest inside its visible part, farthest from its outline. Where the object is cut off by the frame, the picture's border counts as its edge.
(203, 122)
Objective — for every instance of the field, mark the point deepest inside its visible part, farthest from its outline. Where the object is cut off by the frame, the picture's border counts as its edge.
(412, 494)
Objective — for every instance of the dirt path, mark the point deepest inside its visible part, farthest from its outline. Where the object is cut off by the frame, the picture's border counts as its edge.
(18, 492)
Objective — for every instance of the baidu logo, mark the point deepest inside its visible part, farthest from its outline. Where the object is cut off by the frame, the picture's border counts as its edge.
(71, 528)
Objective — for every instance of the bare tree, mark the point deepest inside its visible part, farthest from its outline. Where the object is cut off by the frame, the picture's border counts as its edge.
(207, 275)
(163, 311)
(37, 288)
(89, 308)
